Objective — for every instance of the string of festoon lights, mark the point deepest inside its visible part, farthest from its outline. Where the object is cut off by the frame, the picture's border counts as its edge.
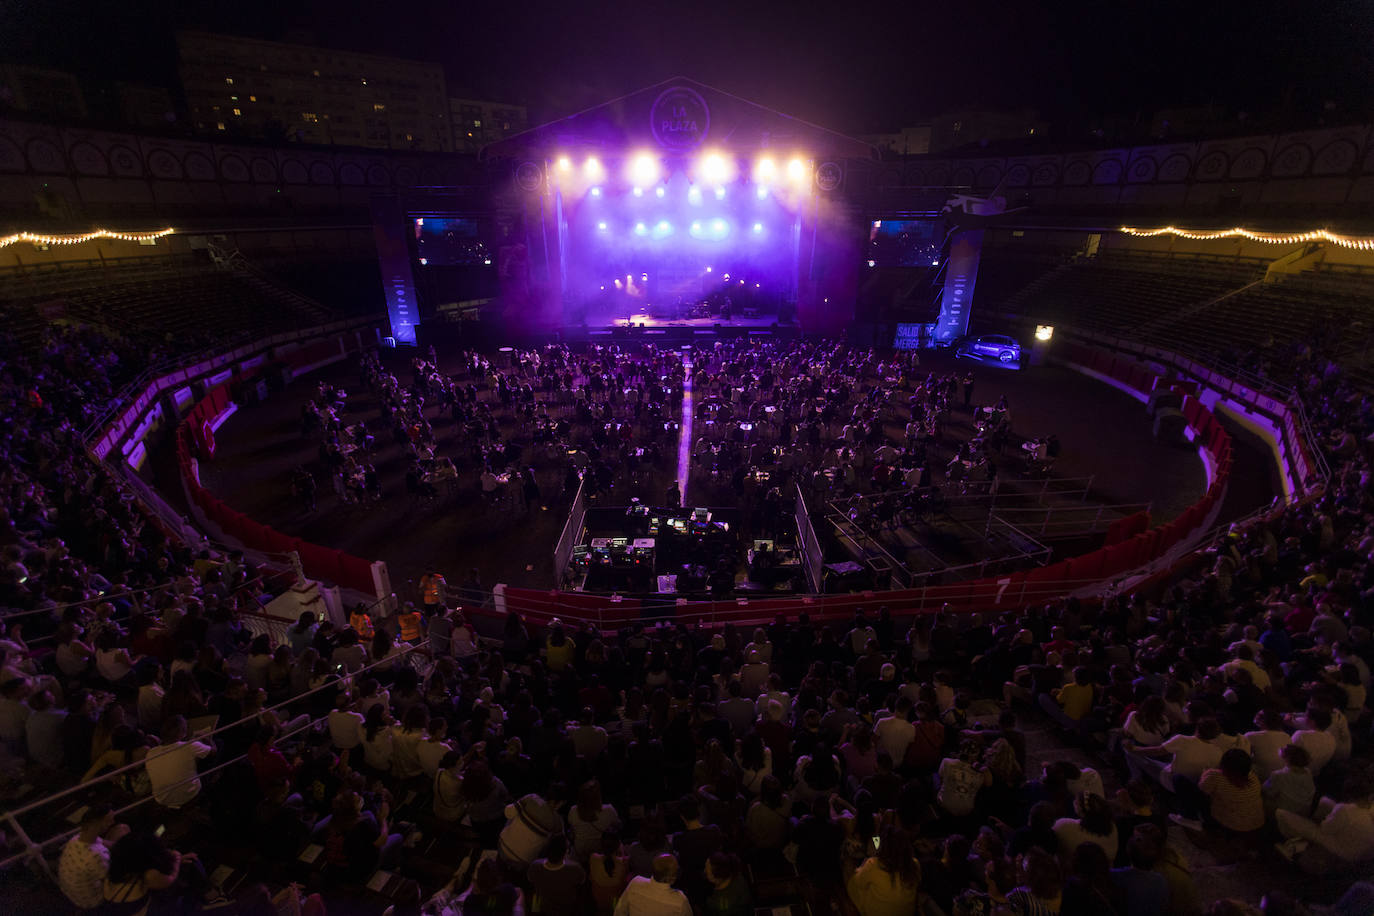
(77, 238)
(1315, 235)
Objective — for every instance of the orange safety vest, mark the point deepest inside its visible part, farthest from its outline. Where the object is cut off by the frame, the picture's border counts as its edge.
(410, 626)
(432, 589)
(362, 623)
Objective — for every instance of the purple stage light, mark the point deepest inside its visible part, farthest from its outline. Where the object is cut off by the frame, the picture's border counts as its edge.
(765, 169)
(592, 169)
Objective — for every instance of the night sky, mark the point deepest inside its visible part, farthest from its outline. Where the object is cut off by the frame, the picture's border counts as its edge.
(851, 66)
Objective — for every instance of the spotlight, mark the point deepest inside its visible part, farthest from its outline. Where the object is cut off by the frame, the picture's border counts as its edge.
(758, 227)
(720, 193)
(663, 228)
(714, 168)
(601, 225)
(564, 164)
(596, 192)
(796, 169)
(1044, 331)
(639, 192)
(741, 283)
(592, 169)
(644, 278)
(756, 286)
(872, 263)
(708, 268)
(644, 169)
(762, 193)
(603, 287)
(718, 226)
(935, 263)
(424, 261)
(727, 276)
(640, 228)
(696, 225)
(765, 169)
(659, 192)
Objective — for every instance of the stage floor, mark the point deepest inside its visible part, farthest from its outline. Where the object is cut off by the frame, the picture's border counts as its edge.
(643, 319)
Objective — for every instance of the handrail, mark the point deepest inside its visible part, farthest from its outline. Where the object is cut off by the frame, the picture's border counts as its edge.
(33, 849)
(105, 777)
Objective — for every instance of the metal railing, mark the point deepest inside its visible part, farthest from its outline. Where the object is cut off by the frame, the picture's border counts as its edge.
(34, 849)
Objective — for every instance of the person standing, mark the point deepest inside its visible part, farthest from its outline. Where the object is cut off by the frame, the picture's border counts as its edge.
(432, 587)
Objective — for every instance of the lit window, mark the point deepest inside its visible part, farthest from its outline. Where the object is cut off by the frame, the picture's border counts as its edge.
(219, 125)
(409, 137)
(252, 98)
(233, 98)
(237, 112)
(378, 106)
(364, 82)
(309, 116)
(958, 126)
(476, 123)
(228, 81)
(315, 72)
(1032, 131)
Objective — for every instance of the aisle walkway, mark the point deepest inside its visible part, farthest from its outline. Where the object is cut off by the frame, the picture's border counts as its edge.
(684, 432)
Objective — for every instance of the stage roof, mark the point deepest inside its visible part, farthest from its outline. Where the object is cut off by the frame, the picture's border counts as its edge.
(678, 117)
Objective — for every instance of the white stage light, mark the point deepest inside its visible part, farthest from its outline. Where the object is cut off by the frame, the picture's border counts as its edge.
(659, 192)
(639, 192)
(756, 286)
(601, 225)
(592, 169)
(644, 169)
(596, 192)
(872, 263)
(564, 164)
(708, 268)
(765, 170)
(694, 195)
(640, 229)
(1044, 331)
(720, 193)
(713, 168)
(762, 193)
(758, 227)
(796, 169)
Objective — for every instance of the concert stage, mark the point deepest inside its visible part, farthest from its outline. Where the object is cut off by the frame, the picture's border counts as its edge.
(677, 332)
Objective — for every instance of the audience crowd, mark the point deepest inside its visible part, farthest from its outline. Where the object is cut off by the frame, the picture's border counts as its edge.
(874, 765)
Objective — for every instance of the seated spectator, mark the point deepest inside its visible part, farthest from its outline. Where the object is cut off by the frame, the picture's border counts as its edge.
(887, 884)
(655, 896)
(556, 885)
(85, 860)
(171, 765)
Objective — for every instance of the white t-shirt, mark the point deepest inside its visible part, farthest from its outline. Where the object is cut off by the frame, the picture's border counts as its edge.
(894, 734)
(345, 728)
(111, 665)
(1192, 757)
(430, 753)
(1141, 735)
(172, 771)
(1265, 747)
(81, 872)
(1320, 746)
